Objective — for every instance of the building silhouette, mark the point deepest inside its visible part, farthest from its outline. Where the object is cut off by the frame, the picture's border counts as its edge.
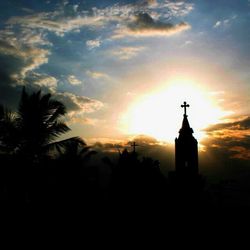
(186, 148)
(185, 182)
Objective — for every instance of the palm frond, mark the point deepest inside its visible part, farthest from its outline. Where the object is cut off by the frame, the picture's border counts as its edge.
(56, 129)
(57, 109)
(60, 145)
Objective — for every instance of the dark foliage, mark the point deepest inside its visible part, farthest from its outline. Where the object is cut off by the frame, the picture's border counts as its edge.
(41, 173)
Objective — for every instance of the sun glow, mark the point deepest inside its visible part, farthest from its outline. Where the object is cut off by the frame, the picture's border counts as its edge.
(159, 114)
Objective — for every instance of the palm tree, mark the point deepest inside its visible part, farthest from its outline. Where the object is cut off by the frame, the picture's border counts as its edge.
(8, 131)
(36, 126)
(72, 150)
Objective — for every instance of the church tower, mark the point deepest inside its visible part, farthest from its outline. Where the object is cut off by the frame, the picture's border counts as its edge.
(186, 148)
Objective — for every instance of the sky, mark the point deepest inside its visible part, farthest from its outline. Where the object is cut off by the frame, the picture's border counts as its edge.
(123, 68)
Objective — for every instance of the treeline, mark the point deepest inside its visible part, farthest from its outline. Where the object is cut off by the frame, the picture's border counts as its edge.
(38, 171)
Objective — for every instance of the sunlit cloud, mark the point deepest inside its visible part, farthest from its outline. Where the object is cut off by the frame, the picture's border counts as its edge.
(55, 22)
(233, 137)
(81, 119)
(91, 44)
(21, 58)
(240, 153)
(78, 107)
(126, 53)
(144, 142)
(151, 3)
(97, 75)
(73, 80)
(79, 104)
(178, 8)
(43, 81)
(241, 124)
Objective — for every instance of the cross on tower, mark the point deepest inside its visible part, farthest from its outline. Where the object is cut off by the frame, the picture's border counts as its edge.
(185, 106)
(134, 145)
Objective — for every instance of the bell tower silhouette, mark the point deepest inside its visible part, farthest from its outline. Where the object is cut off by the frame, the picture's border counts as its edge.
(186, 148)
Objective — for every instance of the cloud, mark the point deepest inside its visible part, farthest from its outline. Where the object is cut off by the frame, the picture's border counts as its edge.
(81, 104)
(56, 22)
(148, 147)
(27, 10)
(217, 24)
(75, 7)
(79, 119)
(70, 18)
(225, 22)
(91, 44)
(146, 4)
(78, 106)
(241, 124)
(126, 53)
(97, 75)
(240, 152)
(43, 81)
(232, 137)
(20, 55)
(144, 25)
(151, 2)
(31, 37)
(177, 8)
(144, 140)
(73, 80)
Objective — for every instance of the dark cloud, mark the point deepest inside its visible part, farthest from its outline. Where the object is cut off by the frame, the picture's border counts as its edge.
(19, 54)
(144, 25)
(233, 138)
(242, 124)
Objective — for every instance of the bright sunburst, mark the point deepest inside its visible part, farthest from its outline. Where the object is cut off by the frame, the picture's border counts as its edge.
(159, 114)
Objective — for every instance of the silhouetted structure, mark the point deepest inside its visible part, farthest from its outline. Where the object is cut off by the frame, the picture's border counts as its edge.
(186, 184)
(134, 145)
(186, 148)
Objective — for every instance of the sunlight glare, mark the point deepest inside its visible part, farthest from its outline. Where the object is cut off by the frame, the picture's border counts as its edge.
(160, 115)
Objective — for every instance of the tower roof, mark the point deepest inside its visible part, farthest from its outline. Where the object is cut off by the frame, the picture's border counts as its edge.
(185, 129)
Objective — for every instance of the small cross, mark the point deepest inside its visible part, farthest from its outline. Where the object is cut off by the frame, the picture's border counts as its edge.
(134, 145)
(185, 106)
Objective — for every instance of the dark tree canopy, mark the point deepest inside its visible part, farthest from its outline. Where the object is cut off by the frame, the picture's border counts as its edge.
(33, 130)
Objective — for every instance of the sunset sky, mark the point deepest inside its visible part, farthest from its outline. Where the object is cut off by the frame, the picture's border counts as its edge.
(123, 68)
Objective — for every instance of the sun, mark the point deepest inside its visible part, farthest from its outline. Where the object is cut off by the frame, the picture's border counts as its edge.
(159, 113)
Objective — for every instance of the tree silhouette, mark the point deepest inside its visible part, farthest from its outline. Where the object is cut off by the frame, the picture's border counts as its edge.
(74, 150)
(33, 130)
(8, 131)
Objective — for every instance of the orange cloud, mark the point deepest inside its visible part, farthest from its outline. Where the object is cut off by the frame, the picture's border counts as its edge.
(233, 138)
(240, 153)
